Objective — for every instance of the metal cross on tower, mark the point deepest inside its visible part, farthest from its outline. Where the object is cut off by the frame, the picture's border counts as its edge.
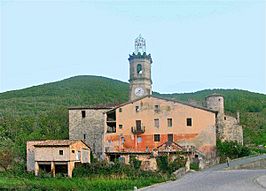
(140, 45)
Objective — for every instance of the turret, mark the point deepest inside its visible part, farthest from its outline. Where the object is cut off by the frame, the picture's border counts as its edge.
(140, 71)
(215, 102)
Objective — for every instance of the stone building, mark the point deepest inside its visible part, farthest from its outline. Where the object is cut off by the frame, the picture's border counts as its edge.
(88, 124)
(56, 156)
(228, 127)
(146, 121)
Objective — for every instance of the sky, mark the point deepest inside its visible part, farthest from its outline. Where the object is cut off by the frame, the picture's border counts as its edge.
(195, 45)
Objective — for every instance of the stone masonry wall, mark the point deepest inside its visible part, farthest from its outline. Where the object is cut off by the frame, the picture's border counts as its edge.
(90, 129)
(232, 130)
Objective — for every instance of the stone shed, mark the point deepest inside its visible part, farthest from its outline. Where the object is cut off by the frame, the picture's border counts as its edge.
(56, 156)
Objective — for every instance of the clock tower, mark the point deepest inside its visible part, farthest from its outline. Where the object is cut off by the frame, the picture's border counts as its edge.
(140, 71)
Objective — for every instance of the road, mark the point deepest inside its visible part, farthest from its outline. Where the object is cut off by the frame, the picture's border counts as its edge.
(218, 178)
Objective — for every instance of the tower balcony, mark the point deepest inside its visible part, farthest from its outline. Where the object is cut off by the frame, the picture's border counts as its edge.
(138, 130)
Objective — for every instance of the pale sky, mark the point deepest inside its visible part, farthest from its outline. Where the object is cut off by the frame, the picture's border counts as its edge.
(195, 45)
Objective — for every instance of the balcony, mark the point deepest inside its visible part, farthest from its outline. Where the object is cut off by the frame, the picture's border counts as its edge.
(138, 130)
(111, 129)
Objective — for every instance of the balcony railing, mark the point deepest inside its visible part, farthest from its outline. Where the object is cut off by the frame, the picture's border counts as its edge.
(138, 130)
(111, 129)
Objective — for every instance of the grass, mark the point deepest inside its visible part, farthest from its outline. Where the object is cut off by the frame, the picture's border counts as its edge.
(95, 183)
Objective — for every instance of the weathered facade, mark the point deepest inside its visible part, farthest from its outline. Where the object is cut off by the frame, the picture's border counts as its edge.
(56, 156)
(87, 124)
(146, 123)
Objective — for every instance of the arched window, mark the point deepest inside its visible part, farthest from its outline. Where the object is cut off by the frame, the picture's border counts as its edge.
(139, 69)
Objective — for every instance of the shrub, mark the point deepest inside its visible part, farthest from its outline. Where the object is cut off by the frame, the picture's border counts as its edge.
(135, 162)
(166, 166)
(162, 162)
(231, 149)
(194, 166)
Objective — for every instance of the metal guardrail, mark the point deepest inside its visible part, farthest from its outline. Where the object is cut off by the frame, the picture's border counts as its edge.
(138, 130)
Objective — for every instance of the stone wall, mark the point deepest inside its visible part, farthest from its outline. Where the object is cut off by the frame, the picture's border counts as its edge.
(90, 128)
(232, 130)
(259, 164)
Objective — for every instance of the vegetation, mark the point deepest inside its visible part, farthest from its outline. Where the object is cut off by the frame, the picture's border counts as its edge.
(194, 166)
(231, 149)
(117, 169)
(167, 166)
(29, 182)
(94, 176)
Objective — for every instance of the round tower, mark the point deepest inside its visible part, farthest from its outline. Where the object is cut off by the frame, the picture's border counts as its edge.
(140, 71)
(215, 102)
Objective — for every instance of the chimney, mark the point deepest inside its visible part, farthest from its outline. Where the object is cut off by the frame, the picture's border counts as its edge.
(238, 117)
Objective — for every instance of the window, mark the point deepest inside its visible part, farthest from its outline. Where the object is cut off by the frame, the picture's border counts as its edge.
(122, 140)
(138, 124)
(156, 108)
(61, 152)
(78, 155)
(137, 108)
(139, 69)
(170, 137)
(73, 151)
(157, 137)
(156, 123)
(224, 118)
(120, 126)
(84, 136)
(120, 109)
(139, 139)
(189, 121)
(83, 114)
(169, 122)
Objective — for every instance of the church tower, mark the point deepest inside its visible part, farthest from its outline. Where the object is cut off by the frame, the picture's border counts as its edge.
(140, 71)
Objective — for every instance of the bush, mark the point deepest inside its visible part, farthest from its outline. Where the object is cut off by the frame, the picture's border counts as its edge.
(162, 162)
(135, 163)
(231, 149)
(166, 166)
(194, 166)
(117, 169)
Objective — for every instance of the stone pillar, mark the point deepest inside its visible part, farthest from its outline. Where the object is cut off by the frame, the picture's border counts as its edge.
(201, 163)
(70, 167)
(136, 142)
(188, 164)
(127, 159)
(53, 169)
(36, 169)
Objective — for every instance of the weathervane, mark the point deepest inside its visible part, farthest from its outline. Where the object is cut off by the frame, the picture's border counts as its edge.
(140, 45)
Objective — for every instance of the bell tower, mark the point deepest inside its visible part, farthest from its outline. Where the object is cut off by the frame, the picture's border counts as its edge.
(139, 71)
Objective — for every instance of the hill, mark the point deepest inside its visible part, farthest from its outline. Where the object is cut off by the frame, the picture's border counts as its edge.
(74, 91)
(40, 112)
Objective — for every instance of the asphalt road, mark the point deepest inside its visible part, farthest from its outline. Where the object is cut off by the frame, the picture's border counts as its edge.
(218, 179)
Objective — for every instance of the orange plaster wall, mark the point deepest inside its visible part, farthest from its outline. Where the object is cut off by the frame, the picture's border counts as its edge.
(201, 133)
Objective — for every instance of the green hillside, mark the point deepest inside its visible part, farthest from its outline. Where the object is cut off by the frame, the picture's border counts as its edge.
(75, 91)
(40, 112)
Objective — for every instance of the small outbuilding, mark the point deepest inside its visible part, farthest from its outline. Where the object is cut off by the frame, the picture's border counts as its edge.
(56, 156)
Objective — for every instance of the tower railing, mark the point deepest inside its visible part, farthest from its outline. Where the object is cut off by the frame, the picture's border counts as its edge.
(138, 130)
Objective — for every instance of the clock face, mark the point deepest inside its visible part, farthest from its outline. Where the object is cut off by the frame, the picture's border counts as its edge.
(139, 91)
